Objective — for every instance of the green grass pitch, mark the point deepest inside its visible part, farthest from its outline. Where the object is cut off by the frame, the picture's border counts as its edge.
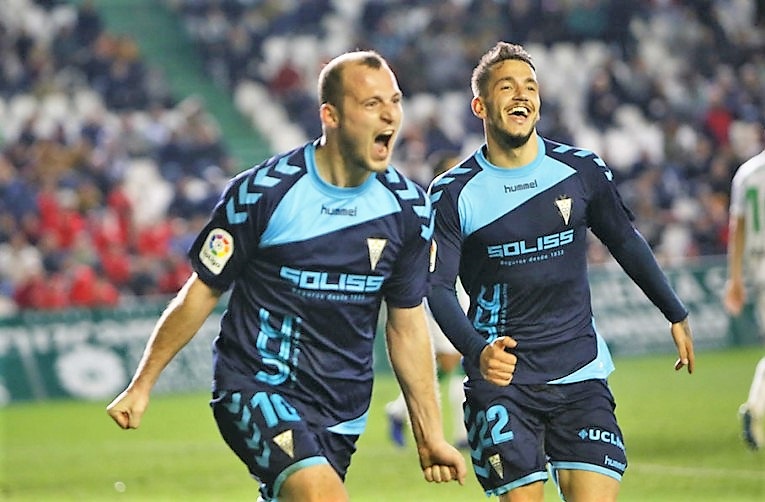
(682, 436)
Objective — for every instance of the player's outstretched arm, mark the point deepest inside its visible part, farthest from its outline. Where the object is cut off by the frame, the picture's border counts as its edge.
(681, 334)
(176, 326)
(411, 356)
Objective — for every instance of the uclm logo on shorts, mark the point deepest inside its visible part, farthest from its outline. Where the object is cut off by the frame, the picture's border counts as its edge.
(601, 435)
(542, 243)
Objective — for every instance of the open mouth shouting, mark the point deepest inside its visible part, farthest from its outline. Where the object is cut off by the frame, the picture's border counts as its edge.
(382, 145)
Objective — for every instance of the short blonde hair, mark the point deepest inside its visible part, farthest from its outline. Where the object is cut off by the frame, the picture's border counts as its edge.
(330, 84)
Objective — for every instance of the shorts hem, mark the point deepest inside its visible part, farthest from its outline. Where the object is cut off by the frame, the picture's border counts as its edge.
(583, 466)
(306, 462)
(526, 480)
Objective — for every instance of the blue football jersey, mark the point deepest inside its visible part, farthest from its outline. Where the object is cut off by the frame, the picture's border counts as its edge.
(309, 264)
(517, 239)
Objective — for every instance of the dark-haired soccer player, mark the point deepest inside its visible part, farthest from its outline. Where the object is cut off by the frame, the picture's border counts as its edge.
(311, 241)
(512, 220)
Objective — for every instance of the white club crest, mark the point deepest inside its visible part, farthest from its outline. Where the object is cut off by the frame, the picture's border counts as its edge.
(376, 247)
(564, 207)
(496, 464)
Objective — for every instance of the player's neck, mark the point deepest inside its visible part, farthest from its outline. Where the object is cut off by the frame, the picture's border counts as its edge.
(503, 156)
(333, 168)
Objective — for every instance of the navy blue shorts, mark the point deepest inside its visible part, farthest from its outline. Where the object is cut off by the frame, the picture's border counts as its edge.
(273, 439)
(515, 431)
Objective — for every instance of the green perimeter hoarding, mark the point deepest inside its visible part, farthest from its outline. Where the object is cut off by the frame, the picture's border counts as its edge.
(91, 354)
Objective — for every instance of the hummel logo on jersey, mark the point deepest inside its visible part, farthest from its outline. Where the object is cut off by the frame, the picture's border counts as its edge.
(520, 186)
(564, 207)
(375, 247)
(338, 211)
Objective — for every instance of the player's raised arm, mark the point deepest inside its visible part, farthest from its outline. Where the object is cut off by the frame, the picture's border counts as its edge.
(178, 324)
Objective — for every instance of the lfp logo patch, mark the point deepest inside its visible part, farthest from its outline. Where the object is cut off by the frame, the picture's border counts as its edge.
(216, 251)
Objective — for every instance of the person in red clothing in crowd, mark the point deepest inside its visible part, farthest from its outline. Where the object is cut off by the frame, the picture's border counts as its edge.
(90, 290)
(120, 207)
(59, 219)
(43, 292)
(154, 240)
(175, 272)
(107, 296)
(82, 289)
(718, 118)
(115, 262)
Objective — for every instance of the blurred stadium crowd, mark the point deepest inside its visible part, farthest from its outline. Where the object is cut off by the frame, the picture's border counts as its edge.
(105, 177)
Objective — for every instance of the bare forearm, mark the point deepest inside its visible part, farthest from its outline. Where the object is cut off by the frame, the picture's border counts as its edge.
(412, 359)
(175, 328)
(736, 249)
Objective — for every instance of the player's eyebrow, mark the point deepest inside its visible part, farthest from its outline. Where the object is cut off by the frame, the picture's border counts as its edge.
(527, 80)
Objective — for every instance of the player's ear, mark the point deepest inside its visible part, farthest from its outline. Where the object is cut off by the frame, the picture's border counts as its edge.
(329, 115)
(476, 104)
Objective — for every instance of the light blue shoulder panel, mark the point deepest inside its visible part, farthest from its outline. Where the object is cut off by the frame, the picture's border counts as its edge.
(507, 188)
(313, 207)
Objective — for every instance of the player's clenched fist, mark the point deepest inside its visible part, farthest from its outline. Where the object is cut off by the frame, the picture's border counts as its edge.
(127, 409)
(497, 362)
(442, 463)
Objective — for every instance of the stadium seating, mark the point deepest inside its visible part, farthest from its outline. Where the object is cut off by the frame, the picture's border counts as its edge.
(137, 168)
